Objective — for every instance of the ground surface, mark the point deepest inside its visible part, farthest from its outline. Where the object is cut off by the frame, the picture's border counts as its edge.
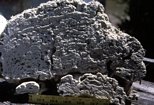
(145, 92)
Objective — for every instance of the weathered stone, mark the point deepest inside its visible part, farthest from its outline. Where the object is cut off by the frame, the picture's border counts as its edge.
(28, 87)
(68, 36)
(98, 86)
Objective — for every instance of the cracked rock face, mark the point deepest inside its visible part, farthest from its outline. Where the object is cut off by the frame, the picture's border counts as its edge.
(93, 85)
(68, 36)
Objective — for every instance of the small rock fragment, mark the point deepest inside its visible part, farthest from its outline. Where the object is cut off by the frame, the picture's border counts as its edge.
(3, 23)
(28, 87)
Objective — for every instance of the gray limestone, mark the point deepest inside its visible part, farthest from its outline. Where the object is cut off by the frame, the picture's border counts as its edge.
(68, 36)
(98, 86)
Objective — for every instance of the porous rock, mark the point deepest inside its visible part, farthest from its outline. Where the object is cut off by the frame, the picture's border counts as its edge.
(98, 86)
(68, 36)
(28, 87)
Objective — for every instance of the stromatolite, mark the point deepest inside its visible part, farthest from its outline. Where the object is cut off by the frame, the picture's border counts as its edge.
(68, 36)
(98, 86)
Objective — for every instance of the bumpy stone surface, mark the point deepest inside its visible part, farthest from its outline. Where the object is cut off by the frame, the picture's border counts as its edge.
(28, 87)
(64, 36)
(93, 85)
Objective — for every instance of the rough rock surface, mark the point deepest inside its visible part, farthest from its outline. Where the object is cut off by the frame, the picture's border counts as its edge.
(28, 87)
(64, 36)
(93, 85)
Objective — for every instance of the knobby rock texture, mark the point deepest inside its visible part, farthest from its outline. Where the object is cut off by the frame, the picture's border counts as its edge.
(98, 86)
(63, 37)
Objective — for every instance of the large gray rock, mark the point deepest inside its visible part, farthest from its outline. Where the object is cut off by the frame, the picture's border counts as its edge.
(98, 86)
(68, 36)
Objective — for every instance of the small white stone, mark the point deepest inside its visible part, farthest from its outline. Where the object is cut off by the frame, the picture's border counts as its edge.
(68, 36)
(28, 87)
(3, 23)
